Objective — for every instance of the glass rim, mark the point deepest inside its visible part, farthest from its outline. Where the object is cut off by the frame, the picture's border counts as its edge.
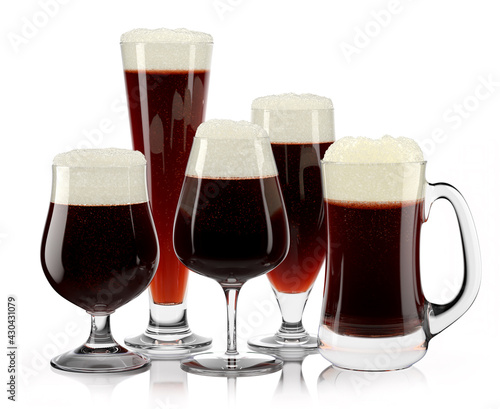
(327, 162)
(312, 141)
(229, 138)
(169, 42)
(100, 166)
(293, 109)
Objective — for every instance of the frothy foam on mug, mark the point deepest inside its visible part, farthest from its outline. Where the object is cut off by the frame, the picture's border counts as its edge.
(365, 150)
(165, 35)
(292, 101)
(165, 49)
(367, 170)
(295, 118)
(94, 177)
(225, 149)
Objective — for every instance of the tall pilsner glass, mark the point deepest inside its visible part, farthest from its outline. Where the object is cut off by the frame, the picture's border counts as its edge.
(166, 75)
(301, 129)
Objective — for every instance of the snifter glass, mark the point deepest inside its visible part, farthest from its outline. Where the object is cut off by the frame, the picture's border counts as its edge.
(375, 316)
(99, 248)
(231, 226)
(300, 128)
(167, 74)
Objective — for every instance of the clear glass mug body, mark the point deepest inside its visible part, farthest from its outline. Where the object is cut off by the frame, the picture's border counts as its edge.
(166, 106)
(375, 315)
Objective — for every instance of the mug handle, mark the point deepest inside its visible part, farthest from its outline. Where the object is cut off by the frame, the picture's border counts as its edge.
(441, 316)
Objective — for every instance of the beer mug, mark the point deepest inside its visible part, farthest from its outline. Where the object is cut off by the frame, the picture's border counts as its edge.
(375, 316)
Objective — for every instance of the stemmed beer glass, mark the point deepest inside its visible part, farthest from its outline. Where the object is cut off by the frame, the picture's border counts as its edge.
(300, 128)
(99, 247)
(231, 226)
(166, 75)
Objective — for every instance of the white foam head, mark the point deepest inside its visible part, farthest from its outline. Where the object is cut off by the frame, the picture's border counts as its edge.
(292, 102)
(294, 118)
(163, 49)
(225, 149)
(99, 177)
(367, 170)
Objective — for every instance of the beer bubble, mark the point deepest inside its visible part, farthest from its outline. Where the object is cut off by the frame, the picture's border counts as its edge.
(91, 177)
(112, 157)
(165, 49)
(161, 35)
(295, 118)
(225, 149)
(228, 129)
(292, 101)
(374, 170)
(365, 150)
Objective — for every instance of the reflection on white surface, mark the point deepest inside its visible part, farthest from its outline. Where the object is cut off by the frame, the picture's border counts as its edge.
(100, 386)
(334, 382)
(168, 386)
(292, 387)
(231, 392)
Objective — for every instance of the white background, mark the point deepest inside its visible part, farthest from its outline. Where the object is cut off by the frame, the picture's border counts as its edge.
(412, 68)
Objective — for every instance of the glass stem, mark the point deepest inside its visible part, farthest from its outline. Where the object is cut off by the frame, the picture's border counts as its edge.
(231, 301)
(100, 332)
(292, 307)
(167, 319)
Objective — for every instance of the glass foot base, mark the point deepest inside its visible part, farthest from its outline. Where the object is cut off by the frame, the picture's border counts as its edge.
(248, 364)
(285, 348)
(372, 353)
(169, 346)
(100, 360)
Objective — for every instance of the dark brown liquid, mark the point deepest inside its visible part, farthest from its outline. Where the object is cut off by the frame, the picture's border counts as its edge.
(99, 257)
(300, 180)
(231, 230)
(372, 283)
(166, 108)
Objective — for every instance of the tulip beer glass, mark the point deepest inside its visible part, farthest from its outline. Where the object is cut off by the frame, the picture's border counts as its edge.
(231, 226)
(99, 247)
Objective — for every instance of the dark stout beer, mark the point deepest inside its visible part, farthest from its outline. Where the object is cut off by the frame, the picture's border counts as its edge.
(166, 108)
(373, 275)
(300, 178)
(235, 234)
(99, 257)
